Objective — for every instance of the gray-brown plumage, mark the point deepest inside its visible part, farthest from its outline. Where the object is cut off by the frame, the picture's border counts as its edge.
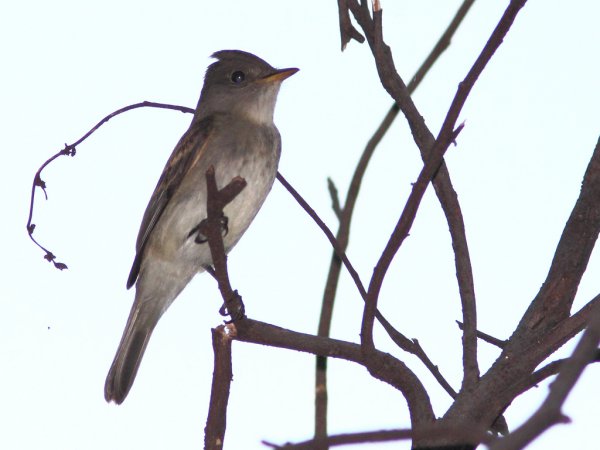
(233, 131)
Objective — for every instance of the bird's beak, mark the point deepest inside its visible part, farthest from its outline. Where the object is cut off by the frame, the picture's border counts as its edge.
(280, 75)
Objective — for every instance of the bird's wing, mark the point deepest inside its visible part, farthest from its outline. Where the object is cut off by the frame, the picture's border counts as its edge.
(188, 150)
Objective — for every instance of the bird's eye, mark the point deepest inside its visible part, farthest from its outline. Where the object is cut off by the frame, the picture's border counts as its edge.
(238, 76)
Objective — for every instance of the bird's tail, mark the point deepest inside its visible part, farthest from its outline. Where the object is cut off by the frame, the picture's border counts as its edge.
(121, 375)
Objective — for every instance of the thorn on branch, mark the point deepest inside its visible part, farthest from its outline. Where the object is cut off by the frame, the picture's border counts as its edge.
(69, 150)
(39, 182)
(456, 132)
(335, 199)
(500, 427)
(562, 418)
(485, 337)
(60, 266)
(49, 256)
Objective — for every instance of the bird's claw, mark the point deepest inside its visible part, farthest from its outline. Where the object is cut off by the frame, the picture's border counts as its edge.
(201, 238)
(234, 308)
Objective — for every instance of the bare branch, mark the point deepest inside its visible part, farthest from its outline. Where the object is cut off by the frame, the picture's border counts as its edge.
(510, 375)
(335, 198)
(435, 429)
(413, 347)
(443, 188)
(573, 252)
(345, 218)
(346, 439)
(551, 340)
(424, 139)
(354, 188)
(211, 227)
(441, 45)
(347, 30)
(70, 150)
(382, 365)
(337, 248)
(485, 337)
(420, 353)
(216, 422)
(400, 340)
(399, 234)
(549, 413)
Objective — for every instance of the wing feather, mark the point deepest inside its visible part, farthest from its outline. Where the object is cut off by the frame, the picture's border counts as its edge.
(189, 148)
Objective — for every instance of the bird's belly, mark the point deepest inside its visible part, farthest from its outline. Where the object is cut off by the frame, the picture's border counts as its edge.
(175, 236)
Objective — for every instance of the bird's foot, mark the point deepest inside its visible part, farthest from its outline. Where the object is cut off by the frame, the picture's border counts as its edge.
(201, 238)
(234, 308)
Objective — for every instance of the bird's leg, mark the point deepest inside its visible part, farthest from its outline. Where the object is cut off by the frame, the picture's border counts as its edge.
(210, 270)
(234, 306)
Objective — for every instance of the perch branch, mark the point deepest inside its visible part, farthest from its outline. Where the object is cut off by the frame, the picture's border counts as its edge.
(216, 422)
(211, 227)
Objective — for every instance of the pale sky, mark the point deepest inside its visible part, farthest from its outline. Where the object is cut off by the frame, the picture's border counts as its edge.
(531, 126)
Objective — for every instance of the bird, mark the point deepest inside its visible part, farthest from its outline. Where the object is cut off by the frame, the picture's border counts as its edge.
(233, 131)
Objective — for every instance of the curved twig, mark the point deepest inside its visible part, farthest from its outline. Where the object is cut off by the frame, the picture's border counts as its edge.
(70, 150)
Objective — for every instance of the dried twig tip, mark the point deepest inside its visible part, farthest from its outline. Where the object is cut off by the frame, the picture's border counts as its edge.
(376, 5)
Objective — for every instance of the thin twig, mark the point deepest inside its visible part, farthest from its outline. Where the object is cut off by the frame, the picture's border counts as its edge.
(413, 347)
(485, 337)
(442, 184)
(395, 335)
(420, 353)
(345, 217)
(70, 150)
(337, 248)
(399, 234)
(431, 430)
(441, 45)
(394, 84)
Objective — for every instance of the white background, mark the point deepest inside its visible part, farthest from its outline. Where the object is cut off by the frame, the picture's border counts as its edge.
(531, 126)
